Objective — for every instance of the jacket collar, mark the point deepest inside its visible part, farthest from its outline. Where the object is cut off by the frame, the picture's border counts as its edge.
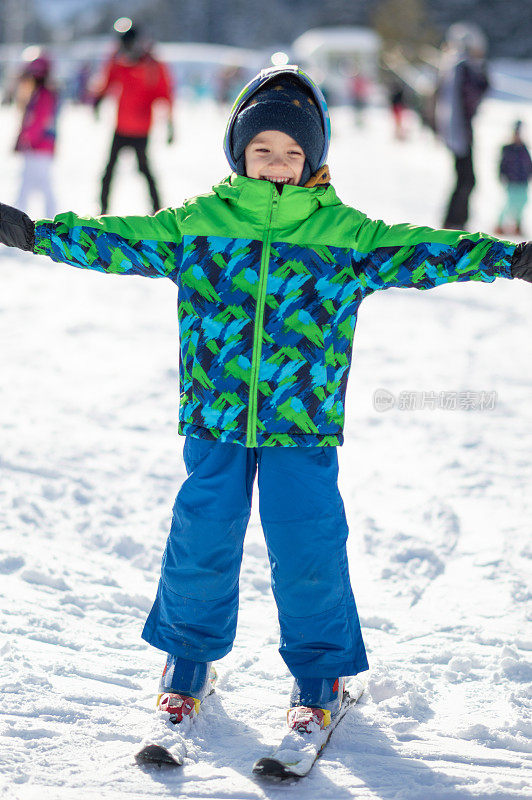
(296, 203)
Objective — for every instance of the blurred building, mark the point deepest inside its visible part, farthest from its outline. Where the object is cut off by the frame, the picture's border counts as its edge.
(334, 55)
(196, 68)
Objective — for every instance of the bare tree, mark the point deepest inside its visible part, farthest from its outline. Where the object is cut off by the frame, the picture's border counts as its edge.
(404, 24)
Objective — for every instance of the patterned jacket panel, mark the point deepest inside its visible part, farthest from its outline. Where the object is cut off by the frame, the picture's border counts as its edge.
(309, 321)
(217, 298)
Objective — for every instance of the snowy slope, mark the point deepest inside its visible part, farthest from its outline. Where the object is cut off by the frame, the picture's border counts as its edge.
(438, 501)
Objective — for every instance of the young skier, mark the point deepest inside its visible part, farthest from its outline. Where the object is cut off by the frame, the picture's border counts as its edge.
(515, 171)
(271, 268)
(36, 139)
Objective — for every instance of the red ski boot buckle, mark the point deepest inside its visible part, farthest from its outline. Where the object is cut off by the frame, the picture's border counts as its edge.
(178, 706)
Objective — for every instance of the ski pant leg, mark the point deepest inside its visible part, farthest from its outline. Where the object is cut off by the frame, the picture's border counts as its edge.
(516, 200)
(305, 527)
(117, 144)
(46, 185)
(517, 196)
(37, 179)
(458, 209)
(506, 212)
(31, 179)
(141, 143)
(26, 184)
(195, 612)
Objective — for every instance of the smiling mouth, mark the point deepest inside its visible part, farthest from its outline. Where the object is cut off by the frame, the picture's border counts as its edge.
(274, 179)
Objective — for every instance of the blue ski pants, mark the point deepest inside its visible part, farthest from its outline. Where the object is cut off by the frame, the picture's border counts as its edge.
(302, 514)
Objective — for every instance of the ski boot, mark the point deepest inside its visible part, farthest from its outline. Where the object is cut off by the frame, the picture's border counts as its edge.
(315, 702)
(183, 686)
(318, 705)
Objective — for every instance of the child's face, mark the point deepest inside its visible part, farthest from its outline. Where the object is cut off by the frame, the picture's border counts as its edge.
(274, 156)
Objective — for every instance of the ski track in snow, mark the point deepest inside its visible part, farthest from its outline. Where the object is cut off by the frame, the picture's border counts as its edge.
(438, 502)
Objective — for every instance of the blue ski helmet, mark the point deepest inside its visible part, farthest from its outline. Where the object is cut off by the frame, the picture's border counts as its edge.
(259, 110)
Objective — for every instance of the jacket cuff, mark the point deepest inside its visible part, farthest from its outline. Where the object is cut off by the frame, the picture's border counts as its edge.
(521, 265)
(16, 228)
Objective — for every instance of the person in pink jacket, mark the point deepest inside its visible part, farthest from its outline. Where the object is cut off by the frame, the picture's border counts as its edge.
(36, 138)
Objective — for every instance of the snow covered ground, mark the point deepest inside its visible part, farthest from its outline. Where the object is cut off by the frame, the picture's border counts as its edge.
(439, 503)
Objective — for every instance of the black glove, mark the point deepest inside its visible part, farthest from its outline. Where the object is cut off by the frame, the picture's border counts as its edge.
(16, 228)
(521, 265)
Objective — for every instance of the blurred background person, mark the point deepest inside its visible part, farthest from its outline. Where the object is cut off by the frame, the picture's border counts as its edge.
(228, 84)
(359, 89)
(36, 96)
(462, 82)
(138, 80)
(398, 106)
(81, 84)
(515, 170)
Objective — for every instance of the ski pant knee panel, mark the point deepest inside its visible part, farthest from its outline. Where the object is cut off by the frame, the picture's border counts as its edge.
(191, 629)
(210, 516)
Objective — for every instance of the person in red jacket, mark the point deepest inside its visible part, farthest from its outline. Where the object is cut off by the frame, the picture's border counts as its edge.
(138, 80)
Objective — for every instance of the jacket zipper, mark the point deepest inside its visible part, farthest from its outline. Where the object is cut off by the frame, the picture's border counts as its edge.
(251, 437)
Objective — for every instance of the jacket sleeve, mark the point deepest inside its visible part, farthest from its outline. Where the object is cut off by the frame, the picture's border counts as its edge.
(164, 90)
(149, 246)
(473, 84)
(408, 256)
(528, 163)
(107, 78)
(503, 164)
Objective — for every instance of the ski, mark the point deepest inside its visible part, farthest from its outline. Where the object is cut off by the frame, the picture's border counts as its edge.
(161, 756)
(298, 752)
(166, 744)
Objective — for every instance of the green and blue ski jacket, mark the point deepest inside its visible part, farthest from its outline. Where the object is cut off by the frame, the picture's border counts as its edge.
(269, 287)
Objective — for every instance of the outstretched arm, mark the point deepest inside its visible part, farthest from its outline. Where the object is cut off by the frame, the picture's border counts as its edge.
(408, 256)
(16, 228)
(522, 262)
(165, 91)
(149, 246)
(108, 77)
